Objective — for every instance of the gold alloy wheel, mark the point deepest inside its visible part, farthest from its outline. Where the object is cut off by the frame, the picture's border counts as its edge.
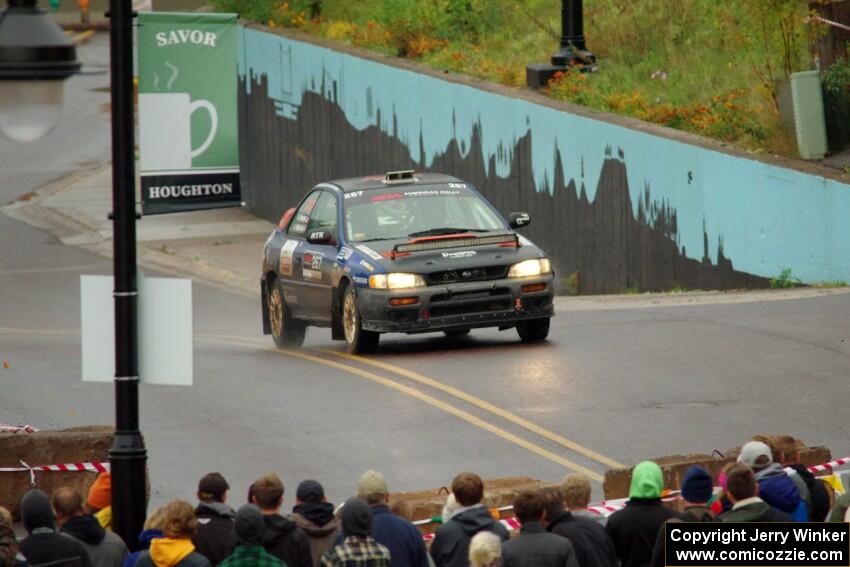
(349, 318)
(276, 312)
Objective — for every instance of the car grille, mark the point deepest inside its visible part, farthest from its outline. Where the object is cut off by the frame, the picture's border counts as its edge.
(478, 301)
(467, 275)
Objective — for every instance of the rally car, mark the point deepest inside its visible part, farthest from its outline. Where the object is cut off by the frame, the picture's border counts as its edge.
(403, 252)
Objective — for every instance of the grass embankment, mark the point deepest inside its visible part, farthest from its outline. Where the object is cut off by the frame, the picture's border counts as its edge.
(705, 66)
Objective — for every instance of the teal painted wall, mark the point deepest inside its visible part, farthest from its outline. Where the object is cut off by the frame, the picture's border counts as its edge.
(767, 217)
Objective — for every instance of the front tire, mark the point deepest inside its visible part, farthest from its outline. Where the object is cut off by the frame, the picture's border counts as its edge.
(533, 330)
(286, 331)
(357, 340)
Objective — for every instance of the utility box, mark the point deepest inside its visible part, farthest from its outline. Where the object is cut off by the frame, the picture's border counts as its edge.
(800, 101)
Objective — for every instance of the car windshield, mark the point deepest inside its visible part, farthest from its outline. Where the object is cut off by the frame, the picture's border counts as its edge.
(403, 212)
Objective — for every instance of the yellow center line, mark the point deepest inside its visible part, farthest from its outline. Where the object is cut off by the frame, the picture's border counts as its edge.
(484, 405)
(407, 390)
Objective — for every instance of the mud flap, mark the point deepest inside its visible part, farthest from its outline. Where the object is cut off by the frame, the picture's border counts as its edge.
(264, 299)
(337, 332)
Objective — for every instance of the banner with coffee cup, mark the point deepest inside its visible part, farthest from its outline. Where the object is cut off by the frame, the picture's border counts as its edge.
(188, 129)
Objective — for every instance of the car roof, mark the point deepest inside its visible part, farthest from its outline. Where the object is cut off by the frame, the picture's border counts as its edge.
(379, 181)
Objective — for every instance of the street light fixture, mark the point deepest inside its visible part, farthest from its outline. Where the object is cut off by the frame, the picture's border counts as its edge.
(573, 50)
(35, 59)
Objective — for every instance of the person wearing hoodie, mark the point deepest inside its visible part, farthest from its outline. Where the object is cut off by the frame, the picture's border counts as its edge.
(249, 550)
(99, 500)
(400, 536)
(152, 530)
(634, 529)
(450, 547)
(697, 490)
(592, 545)
(358, 548)
(281, 536)
(43, 544)
(105, 548)
(535, 547)
(216, 535)
(742, 489)
(817, 497)
(175, 548)
(315, 515)
(775, 486)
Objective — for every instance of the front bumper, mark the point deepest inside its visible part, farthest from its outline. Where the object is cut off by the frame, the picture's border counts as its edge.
(498, 303)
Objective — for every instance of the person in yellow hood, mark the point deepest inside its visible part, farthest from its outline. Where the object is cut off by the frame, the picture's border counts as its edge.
(634, 529)
(99, 500)
(175, 549)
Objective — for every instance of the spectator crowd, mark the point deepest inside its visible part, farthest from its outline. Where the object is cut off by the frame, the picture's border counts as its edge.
(766, 484)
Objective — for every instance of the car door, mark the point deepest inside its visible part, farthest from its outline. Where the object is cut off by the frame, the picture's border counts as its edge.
(291, 254)
(317, 260)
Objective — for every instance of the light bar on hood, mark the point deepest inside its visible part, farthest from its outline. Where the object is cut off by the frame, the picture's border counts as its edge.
(443, 243)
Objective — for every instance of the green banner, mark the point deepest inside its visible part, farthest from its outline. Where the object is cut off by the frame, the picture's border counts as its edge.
(188, 124)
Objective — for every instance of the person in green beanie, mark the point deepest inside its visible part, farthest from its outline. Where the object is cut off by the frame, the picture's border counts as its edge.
(635, 528)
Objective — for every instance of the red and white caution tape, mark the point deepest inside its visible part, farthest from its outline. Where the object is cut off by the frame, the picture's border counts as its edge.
(830, 465)
(16, 428)
(67, 467)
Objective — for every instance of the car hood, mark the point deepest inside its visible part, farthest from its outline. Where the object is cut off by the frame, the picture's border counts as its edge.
(447, 257)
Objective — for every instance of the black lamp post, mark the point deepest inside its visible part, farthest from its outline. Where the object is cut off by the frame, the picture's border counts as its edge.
(573, 49)
(127, 455)
(35, 55)
(35, 59)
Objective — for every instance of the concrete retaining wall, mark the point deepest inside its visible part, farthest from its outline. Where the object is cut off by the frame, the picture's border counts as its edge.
(616, 203)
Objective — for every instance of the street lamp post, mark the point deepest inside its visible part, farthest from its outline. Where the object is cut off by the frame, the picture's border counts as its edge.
(35, 57)
(127, 455)
(573, 49)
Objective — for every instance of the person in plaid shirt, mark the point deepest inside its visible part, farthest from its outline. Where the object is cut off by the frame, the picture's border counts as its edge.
(249, 550)
(359, 548)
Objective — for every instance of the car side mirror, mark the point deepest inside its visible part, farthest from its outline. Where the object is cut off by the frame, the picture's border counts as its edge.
(320, 237)
(519, 220)
(284, 220)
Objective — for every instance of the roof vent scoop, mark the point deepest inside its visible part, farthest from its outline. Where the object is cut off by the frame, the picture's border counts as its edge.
(400, 176)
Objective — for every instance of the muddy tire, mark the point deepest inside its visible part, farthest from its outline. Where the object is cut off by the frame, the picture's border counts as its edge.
(357, 340)
(534, 330)
(286, 331)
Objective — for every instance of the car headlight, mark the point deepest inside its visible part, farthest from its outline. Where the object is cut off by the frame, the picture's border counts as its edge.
(396, 280)
(529, 268)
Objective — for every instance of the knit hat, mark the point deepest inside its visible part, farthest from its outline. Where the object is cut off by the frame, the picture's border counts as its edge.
(751, 452)
(697, 486)
(100, 493)
(249, 525)
(310, 491)
(36, 511)
(647, 481)
(371, 482)
(212, 487)
(356, 518)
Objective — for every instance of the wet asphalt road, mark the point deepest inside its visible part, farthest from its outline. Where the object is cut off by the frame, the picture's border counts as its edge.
(623, 384)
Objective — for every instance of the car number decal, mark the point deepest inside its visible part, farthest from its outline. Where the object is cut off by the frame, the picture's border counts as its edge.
(312, 265)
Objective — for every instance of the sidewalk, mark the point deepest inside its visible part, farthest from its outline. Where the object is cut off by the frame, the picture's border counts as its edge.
(223, 247)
